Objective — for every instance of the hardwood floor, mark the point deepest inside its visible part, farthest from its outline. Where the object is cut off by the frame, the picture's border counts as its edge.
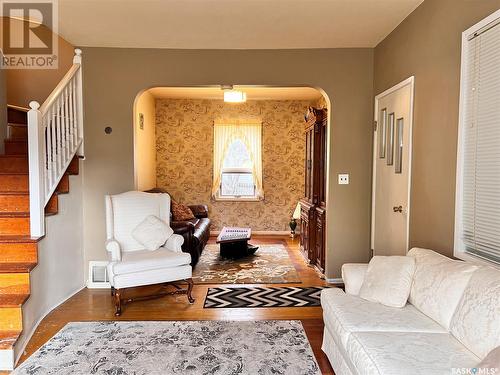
(94, 305)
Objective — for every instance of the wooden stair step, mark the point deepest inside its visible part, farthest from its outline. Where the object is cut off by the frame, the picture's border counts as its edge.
(74, 166)
(14, 182)
(8, 339)
(19, 183)
(13, 300)
(14, 283)
(13, 163)
(17, 256)
(18, 239)
(63, 187)
(11, 267)
(14, 224)
(16, 146)
(17, 114)
(11, 319)
(20, 203)
(18, 131)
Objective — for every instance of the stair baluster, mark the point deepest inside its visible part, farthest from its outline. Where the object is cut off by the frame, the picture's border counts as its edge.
(55, 136)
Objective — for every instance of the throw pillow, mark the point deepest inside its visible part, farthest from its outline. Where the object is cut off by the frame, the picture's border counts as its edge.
(152, 233)
(181, 212)
(388, 280)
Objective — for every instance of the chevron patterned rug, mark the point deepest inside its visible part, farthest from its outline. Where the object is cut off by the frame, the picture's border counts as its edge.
(263, 297)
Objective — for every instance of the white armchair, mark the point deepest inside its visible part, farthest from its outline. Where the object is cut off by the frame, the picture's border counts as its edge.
(131, 265)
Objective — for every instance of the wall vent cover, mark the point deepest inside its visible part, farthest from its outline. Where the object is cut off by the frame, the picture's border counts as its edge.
(98, 275)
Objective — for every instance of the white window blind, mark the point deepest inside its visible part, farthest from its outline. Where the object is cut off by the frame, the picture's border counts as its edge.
(478, 206)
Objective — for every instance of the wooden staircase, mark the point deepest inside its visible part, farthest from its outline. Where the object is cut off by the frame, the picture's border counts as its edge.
(18, 251)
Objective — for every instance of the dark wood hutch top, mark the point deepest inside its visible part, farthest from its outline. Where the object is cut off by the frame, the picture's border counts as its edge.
(315, 116)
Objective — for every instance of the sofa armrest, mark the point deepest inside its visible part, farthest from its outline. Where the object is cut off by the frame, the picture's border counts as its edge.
(353, 275)
(174, 243)
(182, 227)
(113, 247)
(199, 210)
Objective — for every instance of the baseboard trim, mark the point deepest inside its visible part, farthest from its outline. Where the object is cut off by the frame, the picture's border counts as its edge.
(19, 353)
(6, 356)
(261, 233)
(335, 281)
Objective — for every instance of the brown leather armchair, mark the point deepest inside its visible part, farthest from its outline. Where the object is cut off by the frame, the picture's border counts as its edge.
(196, 232)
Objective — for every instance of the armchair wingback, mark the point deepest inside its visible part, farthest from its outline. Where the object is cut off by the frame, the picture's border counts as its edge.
(125, 211)
(131, 265)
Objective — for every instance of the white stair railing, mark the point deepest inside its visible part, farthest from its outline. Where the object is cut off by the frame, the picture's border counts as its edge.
(55, 136)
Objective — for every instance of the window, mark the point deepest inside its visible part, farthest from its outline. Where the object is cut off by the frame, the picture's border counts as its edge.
(237, 161)
(477, 221)
(237, 177)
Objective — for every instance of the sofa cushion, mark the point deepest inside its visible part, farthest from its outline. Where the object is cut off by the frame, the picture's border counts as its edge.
(345, 313)
(144, 260)
(353, 275)
(152, 233)
(397, 353)
(388, 280)
(438, 284)
(151, 277)
(476, 322)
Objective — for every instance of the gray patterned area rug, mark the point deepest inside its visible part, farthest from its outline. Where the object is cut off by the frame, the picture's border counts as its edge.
(179, 347)
(263, 297)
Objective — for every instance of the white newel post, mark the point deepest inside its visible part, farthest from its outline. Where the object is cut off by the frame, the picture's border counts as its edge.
(77, 59)
(36, 155)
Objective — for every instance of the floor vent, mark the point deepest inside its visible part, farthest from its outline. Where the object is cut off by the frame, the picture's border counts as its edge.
(98, 275)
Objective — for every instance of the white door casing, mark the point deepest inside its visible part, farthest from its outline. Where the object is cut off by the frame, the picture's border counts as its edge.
(391, 190)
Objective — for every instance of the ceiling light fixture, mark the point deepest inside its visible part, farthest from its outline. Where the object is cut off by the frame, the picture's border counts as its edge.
(233, 96)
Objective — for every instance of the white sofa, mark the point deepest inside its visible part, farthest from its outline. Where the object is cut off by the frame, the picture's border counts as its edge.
(450, 323)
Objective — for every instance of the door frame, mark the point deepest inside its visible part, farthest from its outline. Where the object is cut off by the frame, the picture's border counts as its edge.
(410, 81)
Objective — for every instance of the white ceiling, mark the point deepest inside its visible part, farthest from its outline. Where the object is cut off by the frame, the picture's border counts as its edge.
(230, 24)
(253, 93)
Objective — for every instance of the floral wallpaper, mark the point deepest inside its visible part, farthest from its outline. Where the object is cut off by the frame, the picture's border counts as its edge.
(184, 143)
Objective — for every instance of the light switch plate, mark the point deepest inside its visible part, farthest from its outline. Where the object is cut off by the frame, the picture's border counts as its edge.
(344, 179)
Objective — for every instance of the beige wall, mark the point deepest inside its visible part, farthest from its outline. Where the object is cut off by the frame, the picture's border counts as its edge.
(60, 270)
(427, 45)
(184, 139)
(113, 77)
(145, 143)
(25, 85)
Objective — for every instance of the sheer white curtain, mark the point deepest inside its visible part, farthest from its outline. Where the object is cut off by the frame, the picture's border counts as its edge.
(250, 133)
(222, 140)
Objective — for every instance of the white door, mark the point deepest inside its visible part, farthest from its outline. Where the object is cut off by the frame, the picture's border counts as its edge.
(392, 170)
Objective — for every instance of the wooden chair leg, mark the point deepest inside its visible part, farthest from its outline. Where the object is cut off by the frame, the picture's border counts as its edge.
(118, 303)
(190, 289)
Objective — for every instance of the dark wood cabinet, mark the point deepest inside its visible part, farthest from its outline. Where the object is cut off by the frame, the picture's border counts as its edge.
(319, 239)
(313, 205)
(307, 229)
